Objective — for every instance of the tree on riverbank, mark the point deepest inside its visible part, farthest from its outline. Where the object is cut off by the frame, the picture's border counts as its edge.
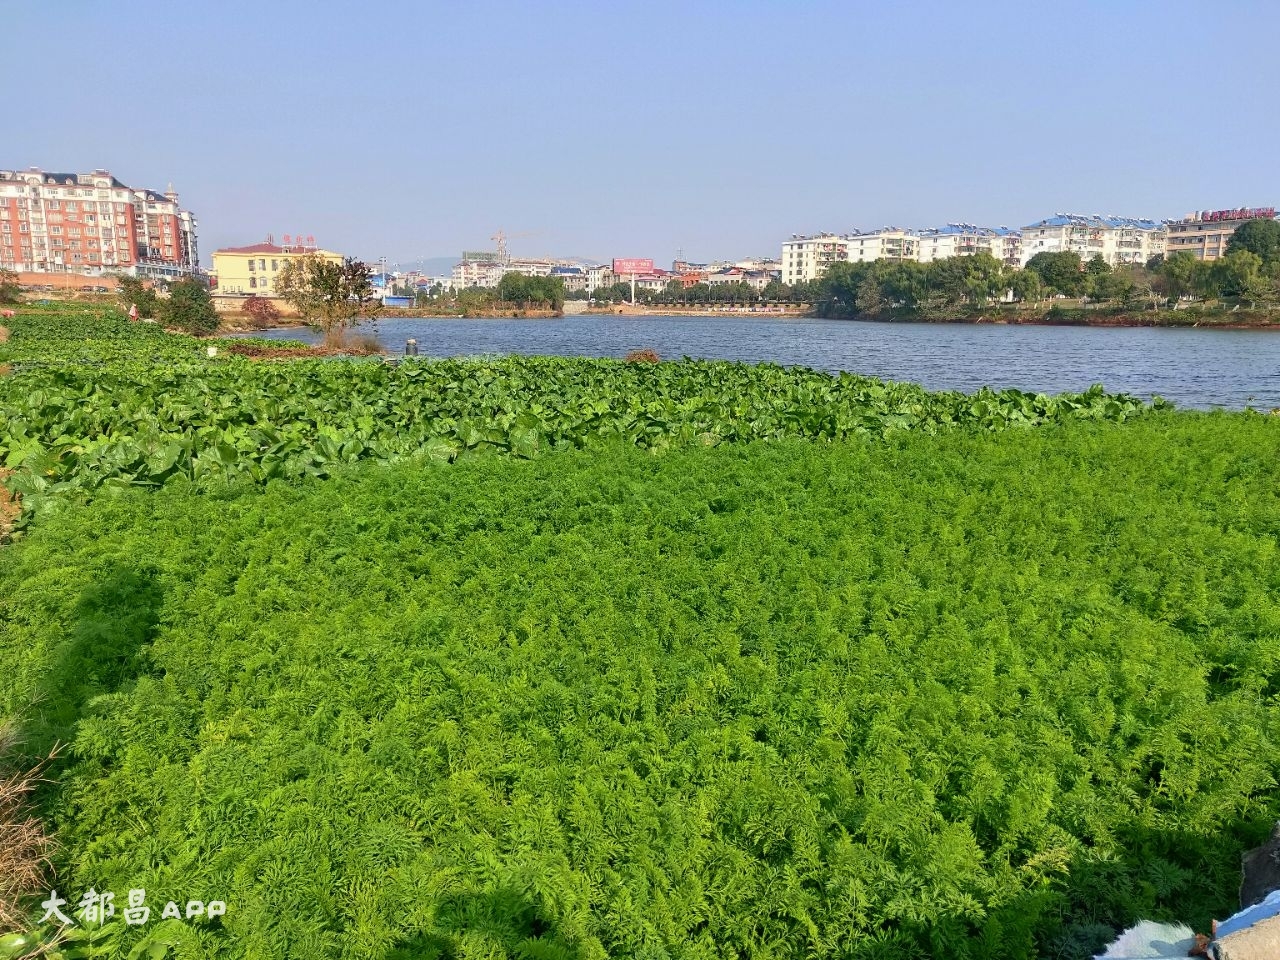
(328, 295)
(1062, 272)
(261, 311)
(1259, 237)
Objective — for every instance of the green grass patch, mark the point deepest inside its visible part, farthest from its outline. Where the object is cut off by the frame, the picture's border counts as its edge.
(78, 334)
(967, 695)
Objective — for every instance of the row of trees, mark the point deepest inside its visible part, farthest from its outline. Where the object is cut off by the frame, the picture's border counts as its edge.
(513, 290)
(523, 291)
(329, 295)
(1249, 272)
(676, 293)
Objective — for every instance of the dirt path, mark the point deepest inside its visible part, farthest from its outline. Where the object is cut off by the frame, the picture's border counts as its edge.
(10, 506)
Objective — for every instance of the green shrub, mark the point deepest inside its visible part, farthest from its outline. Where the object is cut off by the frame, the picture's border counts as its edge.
(189, 308)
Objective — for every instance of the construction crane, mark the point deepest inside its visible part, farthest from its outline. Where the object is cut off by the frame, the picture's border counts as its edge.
(501, 239)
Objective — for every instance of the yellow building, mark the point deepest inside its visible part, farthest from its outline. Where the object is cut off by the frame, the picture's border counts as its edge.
(250, 270)
(1206, 234)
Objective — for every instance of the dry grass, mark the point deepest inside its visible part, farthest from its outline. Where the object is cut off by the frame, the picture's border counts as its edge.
(643, 356)
(10, 507)
(4, 334)
(24, 847)
(340, 340)
(365, 343)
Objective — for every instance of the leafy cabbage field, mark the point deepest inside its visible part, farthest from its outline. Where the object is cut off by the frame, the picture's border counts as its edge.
(96, 404)
(964, 695)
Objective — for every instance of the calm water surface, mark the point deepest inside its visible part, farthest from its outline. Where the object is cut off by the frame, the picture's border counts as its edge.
(1193, 368)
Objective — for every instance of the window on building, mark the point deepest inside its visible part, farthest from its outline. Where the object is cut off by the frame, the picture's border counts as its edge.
(262, 264)
(274, 265)
(253, 283)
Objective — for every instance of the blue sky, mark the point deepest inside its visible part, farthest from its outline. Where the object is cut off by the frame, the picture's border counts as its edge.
(416, 129)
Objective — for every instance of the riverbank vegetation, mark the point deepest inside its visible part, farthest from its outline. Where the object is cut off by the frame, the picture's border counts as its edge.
(957, 287)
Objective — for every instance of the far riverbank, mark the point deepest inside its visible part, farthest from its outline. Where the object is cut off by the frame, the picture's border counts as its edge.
(1172, 319)
(1053, 316)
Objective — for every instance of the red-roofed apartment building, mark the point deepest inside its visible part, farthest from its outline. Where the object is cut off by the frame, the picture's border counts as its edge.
(58, 228)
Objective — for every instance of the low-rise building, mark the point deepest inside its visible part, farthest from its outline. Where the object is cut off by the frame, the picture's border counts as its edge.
(253, 270)
(486, 268)
(654, 282)
(1205, 234)
(573, 278)
(756, 279)
(601, 275)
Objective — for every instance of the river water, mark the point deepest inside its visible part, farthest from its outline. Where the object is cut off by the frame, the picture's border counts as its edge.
(1232, 369)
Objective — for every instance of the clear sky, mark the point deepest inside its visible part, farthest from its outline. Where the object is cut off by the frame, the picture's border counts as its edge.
(417, 129)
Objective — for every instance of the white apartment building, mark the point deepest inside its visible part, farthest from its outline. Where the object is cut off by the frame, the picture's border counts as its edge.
(485, 269)
(600, 276)
(965, 240)
(888, 243)
(1010, 246)
(532, 266)
(477, 273)
(807, 258)
(1118, 240)
(756, 279)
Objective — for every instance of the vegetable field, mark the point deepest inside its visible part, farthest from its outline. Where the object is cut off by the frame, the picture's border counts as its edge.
(909, 696)
(103, 422)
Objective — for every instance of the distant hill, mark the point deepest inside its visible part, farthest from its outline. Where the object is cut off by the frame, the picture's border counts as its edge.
(431, 266)
(443, 266)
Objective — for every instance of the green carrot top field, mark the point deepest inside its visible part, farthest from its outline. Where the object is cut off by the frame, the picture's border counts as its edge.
(531, 658)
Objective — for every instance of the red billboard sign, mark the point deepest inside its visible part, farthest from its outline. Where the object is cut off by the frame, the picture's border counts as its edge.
(1244, 213)
(632, 265)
